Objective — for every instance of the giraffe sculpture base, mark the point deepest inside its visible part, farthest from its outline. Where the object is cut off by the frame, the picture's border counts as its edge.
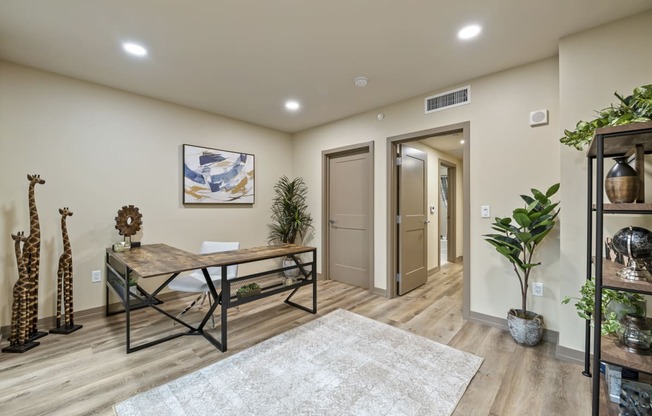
(21, 348)
(66, 329)
(36, 335)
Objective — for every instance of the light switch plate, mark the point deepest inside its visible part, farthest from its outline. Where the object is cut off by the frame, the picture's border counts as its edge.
(485, 211)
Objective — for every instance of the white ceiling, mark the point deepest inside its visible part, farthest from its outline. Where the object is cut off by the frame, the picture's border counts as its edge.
(244, 58)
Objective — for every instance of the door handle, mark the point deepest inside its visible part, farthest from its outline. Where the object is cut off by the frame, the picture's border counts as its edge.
(426, 222)
(332, 222)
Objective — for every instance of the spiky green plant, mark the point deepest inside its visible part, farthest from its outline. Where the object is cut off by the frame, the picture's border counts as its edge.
(521, 235)
(290, 217)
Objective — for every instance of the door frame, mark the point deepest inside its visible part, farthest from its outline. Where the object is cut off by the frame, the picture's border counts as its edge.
(392, 172)
(326, 156)
(451, 221)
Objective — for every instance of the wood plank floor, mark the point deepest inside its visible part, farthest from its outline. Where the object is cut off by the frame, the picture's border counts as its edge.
(87, 372)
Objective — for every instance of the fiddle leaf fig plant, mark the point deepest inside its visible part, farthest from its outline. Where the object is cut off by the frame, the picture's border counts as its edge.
(634, 108)
(519, 236)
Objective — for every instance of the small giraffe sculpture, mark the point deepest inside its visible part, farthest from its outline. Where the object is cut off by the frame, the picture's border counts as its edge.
(32, 255)
(20, 312)
(64, 281)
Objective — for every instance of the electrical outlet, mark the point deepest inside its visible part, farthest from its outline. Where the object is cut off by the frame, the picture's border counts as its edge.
(96, 276)
(537, 289)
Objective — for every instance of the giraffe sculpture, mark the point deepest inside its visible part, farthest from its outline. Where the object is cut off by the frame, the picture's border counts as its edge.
(64, 282)
(32, 255)
(20, 313)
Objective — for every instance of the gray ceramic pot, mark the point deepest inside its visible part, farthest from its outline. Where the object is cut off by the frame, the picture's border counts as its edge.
(526, 332)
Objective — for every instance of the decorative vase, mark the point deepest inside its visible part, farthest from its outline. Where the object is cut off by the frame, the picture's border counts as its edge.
(621, 184)
(636, 244)
(637, 333)
(528, 331)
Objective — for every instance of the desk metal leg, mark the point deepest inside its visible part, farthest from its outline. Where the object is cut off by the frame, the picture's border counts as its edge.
(226, 299)
(313, 274)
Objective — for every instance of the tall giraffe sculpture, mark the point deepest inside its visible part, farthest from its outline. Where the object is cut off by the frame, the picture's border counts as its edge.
(64, 282)
(32, 256)
(19, 340)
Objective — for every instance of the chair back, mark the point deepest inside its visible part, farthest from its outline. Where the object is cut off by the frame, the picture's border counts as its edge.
(216, 247)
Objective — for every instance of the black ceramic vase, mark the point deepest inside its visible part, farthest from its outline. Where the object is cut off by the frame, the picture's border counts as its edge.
(621, 184)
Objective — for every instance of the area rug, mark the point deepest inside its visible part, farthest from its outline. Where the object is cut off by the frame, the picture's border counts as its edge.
(339, 364)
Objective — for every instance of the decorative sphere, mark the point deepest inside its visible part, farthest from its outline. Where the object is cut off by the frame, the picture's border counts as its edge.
(635, 242)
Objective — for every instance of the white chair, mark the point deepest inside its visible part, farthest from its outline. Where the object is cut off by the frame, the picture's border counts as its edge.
(195, 282)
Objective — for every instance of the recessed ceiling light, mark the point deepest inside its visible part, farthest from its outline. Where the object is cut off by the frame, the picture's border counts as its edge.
(134, 49)
(461, 141)
(469, 32)
(292, 105)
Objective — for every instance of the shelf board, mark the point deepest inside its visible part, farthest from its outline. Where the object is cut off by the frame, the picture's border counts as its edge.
(613, 353)
(631, 207)
(611, 281)
(618, 140)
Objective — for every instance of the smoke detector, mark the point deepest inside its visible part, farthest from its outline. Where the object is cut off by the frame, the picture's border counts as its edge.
(360, 81)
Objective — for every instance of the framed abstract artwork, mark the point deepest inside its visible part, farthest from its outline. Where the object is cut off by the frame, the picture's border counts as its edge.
(212, 176)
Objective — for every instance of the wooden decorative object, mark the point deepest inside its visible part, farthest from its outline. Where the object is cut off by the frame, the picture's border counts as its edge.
(20, 310)
(32, 257)
(128, 221)
(64, 282)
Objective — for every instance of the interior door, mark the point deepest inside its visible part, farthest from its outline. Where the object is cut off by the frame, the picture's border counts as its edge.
(349, 212)
(413, 220)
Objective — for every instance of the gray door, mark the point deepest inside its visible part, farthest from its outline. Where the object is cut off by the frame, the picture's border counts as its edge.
(349, 213)
(412, 227)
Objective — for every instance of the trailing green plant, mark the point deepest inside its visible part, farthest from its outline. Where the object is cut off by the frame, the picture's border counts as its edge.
(521, 235)
(133, 281)
(290, 217)
(631, 109)
(585, 305)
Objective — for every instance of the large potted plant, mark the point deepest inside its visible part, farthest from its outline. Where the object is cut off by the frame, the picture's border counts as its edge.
(290, 217)
(517, 240)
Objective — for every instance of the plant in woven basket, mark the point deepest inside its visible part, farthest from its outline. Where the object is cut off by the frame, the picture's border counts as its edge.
(290, 216)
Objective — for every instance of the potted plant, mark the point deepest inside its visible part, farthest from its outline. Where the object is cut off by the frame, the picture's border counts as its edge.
(290, 217)
(133, 285)
(631, 109)
(245, 291)
(517, 240)
(615, 305)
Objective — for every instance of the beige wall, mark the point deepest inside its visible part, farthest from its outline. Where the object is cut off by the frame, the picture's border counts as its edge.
(593, 64)
(507, 158)
(99, 149)
(434, 199)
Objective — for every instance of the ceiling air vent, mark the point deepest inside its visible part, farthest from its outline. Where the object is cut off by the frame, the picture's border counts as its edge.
(448, 99)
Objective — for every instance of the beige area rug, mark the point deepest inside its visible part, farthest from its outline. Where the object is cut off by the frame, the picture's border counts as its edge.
(339, 364)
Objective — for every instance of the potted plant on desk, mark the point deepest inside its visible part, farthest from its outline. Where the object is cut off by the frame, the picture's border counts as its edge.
(290, 218)
(246, 291)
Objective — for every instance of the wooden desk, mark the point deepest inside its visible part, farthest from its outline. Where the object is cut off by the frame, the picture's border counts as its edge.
(160, 259)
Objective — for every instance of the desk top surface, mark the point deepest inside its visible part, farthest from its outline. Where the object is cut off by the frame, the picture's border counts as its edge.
(158, 259)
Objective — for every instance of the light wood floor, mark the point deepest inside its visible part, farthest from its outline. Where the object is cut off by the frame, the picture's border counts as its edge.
(87, 372)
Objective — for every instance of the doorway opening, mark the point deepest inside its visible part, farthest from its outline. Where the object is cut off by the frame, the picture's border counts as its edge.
(462, 132)
(447, 217)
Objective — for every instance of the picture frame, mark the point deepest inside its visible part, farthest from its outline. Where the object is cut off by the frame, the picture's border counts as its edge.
(214, 176)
